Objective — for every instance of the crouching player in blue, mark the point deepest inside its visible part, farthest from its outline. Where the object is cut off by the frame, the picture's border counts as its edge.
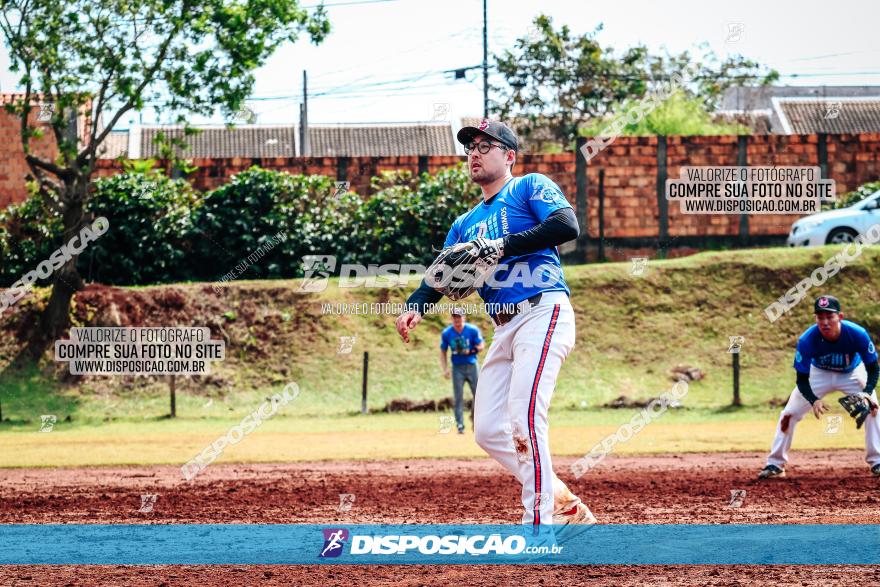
(832, 355)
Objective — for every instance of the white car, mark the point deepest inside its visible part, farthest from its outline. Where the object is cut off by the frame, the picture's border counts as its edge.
(836, 226)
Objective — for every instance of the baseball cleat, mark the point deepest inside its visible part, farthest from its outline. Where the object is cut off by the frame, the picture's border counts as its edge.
(573, 522)
(770, 472)
(579, 514)
(875, 470)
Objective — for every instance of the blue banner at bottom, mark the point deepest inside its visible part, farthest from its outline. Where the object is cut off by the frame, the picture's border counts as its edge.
(297, 544)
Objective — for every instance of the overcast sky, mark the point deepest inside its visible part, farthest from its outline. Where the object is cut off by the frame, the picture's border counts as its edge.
(372, 44)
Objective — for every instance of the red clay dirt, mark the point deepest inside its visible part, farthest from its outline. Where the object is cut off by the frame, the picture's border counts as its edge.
(822, 487)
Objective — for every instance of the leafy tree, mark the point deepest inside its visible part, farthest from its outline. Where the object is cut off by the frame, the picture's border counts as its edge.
(679, 114)
(853, 197)
(101, 60)
(556, 81)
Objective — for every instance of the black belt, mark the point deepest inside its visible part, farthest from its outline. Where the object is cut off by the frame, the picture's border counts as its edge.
(502, 318)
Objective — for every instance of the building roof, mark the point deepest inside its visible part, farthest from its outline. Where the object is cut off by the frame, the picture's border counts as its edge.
(115, 145)
(805, 109)
(222, 141)
(757, 120)
(339, 140)
(854, 115)
(381, 140)
(760, 98)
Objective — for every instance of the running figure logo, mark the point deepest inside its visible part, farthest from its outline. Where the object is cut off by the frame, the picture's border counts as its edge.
(345, 502)
(148, 500)
(833, 424)
(334, 541)
(46, 112)
(446, 423)
(736, 343)
(47, 422)
(737, 498)
(832, 110)
(346, 343)
(317, 269)
(341, 188)
(638, 266)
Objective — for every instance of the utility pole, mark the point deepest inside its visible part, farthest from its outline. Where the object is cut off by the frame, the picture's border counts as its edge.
(172, 388)
(485, 62)
(305, 144)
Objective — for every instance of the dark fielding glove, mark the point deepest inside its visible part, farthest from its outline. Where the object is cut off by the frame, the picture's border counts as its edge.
(858, 406)
(458, 270)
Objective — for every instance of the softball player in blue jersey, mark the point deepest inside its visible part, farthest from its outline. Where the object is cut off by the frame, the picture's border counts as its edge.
(521, 220)
(832, 355)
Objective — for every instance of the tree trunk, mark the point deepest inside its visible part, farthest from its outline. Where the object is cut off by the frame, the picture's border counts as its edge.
(55, 318)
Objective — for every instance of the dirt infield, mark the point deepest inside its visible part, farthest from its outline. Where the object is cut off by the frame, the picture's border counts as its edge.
(407, 575)
(828, 487)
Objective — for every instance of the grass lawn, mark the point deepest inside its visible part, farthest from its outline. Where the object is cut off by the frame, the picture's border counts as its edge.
(288, 438)
(630, 332)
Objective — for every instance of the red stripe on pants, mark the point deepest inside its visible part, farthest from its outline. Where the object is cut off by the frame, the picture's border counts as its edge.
(536, 458)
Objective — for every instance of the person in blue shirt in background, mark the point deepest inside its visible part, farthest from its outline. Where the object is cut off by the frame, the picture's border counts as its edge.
(465, 341)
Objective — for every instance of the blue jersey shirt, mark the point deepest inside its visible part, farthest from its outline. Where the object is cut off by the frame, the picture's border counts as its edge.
(461, 343)
(523, 203)
(842, 355)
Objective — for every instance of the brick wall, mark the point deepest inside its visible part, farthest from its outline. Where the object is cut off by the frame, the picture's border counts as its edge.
(630, 176)
(630, 182)
(13, 168)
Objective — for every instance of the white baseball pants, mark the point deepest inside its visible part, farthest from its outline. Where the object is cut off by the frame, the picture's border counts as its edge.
(823, 382)
(513, 395)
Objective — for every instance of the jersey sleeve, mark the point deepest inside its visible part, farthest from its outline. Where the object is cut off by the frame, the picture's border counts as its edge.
(866, 347)
(453, 237)
(803, 355)
(543, 196)
(444, 344)
(478, 336)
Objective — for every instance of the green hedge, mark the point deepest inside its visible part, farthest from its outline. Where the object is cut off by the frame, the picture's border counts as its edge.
(151, 226)
(858, 194)
(405, 218)
(29, 233)
(163, 231)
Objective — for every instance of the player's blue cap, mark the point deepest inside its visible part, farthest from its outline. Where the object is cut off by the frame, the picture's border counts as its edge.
(826, 304)
(491, 128)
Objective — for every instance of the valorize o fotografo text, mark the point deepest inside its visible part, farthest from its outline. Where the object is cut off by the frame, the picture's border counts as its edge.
(750, 190)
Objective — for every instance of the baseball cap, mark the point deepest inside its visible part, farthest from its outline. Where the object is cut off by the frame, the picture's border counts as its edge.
(491, 128)
(457, 311)
(826, 304)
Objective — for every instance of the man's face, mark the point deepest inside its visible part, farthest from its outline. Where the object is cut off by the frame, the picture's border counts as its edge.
(488, 167)
(829, 324)
(458, 322)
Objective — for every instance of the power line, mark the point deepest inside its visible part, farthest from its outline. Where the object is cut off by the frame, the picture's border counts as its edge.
(344, 88)
(387, 88)
(836, 74)
(401, 51)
